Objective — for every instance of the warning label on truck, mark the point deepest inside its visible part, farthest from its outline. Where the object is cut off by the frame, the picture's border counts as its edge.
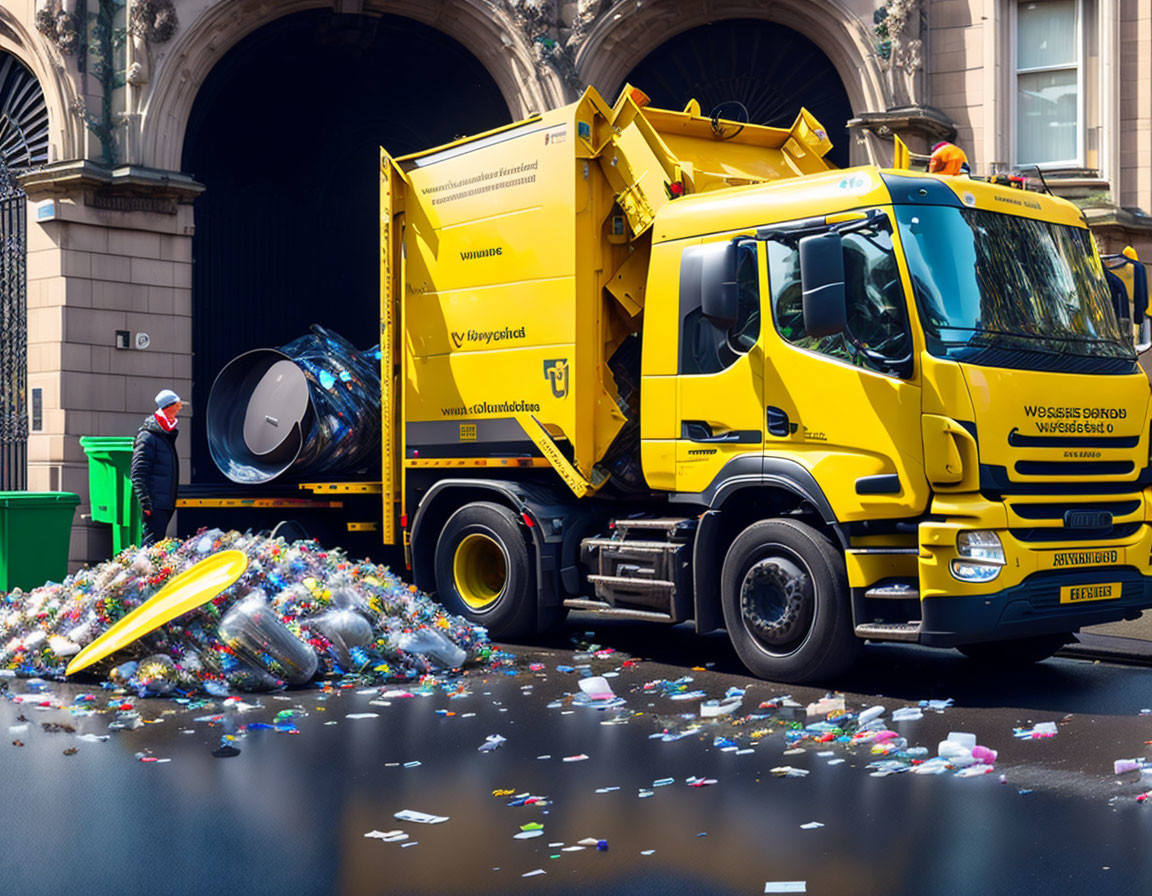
(501, 178)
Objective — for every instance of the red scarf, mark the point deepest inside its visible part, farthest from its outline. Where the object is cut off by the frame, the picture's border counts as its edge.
(164, 422)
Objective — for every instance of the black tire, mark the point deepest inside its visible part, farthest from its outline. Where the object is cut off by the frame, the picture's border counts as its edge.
(784, 591)
(484, 570)
(1017, 653)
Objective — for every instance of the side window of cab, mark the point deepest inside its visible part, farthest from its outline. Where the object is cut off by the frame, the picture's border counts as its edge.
(877, 326)
(706, 347)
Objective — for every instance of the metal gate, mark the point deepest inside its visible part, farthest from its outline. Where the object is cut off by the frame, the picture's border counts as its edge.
(13, 336)
(23, 145)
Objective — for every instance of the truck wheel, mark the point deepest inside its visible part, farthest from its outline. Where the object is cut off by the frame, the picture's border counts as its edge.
(785, 596)
(1013, 654)
(484, 570)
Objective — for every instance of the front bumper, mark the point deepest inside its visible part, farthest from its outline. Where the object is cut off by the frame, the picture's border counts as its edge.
(1032, 608)
(1024, 600)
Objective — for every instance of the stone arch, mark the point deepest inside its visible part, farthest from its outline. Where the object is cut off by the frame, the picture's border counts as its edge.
(65, 131)
(614, 46)
(183, 67)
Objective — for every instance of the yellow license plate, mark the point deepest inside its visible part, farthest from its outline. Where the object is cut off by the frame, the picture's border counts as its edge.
(1078, 594)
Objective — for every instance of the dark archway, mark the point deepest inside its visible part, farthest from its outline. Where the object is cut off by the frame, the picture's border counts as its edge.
(285, 135)
(769, 68)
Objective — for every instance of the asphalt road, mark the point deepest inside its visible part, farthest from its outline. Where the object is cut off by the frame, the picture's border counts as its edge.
(152, 810)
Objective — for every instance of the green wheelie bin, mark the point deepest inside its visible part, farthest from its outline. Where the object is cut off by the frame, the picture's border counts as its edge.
(35, 528)
(110, 488)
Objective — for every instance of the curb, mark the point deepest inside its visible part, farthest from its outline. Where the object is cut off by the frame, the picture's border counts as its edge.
(1109, 649)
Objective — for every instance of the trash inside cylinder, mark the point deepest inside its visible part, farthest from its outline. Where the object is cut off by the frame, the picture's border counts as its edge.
(311, 405)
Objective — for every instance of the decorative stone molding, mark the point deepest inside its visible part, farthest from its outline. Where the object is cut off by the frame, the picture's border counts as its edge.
(59, 26)
(486, 28)
(899, 27)
(149, 22)
(540, 23)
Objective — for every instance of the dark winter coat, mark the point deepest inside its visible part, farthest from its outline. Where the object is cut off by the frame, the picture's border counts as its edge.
(155, 466)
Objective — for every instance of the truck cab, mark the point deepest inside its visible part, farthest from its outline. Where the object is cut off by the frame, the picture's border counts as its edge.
(926, 380)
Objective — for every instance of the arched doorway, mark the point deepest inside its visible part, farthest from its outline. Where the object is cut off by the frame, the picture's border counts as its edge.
(23, 145)
(284, 134)
(768, 69)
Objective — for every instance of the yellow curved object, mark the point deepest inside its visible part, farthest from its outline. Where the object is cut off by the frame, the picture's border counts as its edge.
(192, 588)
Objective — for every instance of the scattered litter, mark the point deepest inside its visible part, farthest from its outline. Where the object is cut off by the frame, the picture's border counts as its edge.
(907, 714)
(362, 715)
(1040, 730)
(387, 836)
(419, 817)
(579, 757)
(492, 742)
(534, 873)
(786, 886)
(787, 771)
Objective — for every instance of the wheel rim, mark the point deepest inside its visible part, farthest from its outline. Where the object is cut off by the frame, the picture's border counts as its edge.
(480, 570)
(777, 603)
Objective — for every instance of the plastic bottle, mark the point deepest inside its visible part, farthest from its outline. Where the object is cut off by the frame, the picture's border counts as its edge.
(430, 643)
(253, 632)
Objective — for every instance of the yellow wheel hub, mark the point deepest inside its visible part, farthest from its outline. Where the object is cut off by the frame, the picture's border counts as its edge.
(479, 570)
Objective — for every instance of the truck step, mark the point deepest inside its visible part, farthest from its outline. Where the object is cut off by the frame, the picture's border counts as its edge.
(893, 591)
(604, 609)
(889, 631)
(670, 526)
(631, 583)
(615, 545)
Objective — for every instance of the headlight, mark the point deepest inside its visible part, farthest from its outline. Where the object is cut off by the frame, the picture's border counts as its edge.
(981, 556)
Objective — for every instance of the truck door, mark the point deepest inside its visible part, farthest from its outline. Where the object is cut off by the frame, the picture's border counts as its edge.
(720, 390)
(847, 406)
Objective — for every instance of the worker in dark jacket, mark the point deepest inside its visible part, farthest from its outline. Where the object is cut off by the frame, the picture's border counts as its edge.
(155, 466)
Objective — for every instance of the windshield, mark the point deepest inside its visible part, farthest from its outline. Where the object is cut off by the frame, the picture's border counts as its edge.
(1007, 291)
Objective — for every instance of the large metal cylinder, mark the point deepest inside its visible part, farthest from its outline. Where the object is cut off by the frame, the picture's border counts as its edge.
(309, 407)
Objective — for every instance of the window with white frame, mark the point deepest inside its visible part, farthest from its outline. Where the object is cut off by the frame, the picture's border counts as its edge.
(1049, 123)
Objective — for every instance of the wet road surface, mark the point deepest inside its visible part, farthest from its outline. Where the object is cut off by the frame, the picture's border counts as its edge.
(289, 814)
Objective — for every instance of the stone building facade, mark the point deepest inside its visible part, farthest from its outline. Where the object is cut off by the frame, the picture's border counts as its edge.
(135, 246)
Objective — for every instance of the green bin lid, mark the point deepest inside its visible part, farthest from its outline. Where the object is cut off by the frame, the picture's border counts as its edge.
(9, 499)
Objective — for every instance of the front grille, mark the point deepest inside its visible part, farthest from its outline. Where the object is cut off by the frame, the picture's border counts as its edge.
(1018, 440)
(1074, 467)
(1056, 511)
(1061, 535)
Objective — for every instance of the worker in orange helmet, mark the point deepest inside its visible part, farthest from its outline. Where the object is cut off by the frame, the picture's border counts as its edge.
(948, 158)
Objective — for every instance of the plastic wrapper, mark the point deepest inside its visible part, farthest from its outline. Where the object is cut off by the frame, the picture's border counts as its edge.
(309, 406)
(433, 645)
(345, 630)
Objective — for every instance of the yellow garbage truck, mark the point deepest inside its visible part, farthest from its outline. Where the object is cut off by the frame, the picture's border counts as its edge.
(662, 366)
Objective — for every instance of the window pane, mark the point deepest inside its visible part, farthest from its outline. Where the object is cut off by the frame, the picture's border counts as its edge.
(1046, 33)
(704, 348)
(876, 329)
(1047, 109)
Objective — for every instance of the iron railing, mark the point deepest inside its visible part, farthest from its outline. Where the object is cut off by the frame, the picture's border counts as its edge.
(13, 337)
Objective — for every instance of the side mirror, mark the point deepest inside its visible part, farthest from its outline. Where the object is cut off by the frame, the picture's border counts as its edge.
(1140, 304)
(822, 281)
(719, 297)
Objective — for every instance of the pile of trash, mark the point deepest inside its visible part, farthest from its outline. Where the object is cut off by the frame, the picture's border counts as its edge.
(298, 611)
